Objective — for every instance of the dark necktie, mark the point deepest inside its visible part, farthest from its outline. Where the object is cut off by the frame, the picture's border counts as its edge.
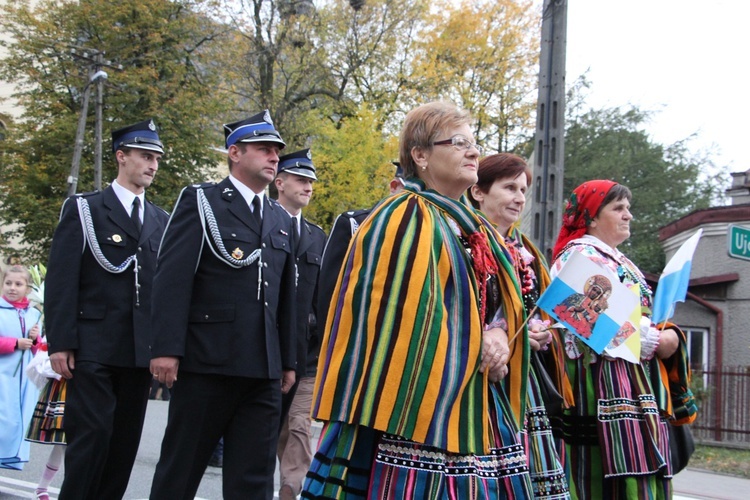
(295, 235)
(135, 214)
(256, 210)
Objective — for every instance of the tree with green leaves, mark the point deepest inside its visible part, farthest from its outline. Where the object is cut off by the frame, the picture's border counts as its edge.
(484, 57)
(667, 181)
(353, 162)
(166, 50)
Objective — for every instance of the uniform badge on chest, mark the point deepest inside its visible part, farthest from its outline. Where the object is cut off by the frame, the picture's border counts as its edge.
(237, 253)
(116, 238)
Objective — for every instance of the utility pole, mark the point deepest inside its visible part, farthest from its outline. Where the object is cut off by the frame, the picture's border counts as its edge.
(78, 148)
(98, 126)
(548, 165)
(95, 75)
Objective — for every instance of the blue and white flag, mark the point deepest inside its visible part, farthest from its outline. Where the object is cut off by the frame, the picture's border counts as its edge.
(673, 283)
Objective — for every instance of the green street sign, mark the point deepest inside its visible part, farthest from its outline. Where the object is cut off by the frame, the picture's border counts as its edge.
(738, 242)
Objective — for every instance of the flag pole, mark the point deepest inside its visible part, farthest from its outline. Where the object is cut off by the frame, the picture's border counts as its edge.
(528, 316)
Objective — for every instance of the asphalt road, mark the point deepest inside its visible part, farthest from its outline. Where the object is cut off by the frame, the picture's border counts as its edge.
(15, 484)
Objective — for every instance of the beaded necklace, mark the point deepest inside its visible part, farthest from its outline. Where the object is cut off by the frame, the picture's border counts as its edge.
(522, 260)
(625, 271)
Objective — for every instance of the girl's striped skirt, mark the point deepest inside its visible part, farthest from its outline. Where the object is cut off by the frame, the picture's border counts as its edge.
(47, 420)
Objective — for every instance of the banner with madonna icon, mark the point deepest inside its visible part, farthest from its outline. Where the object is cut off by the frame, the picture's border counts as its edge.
(589, 300)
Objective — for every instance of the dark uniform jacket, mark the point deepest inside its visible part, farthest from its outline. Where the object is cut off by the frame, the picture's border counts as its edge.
(88, 309)
(216, 316)
(333, 257)
(309, 253)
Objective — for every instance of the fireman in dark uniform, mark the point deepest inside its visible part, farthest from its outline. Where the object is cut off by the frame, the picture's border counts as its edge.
(224, 313)
(294, 185)
(98, 316)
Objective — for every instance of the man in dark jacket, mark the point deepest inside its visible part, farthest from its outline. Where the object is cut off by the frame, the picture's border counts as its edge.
(294, 185)
(342, 231)
(224, 315)
(98, 310)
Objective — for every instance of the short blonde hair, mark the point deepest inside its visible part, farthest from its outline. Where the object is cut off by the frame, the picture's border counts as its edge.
(18, 269)
(423, 125)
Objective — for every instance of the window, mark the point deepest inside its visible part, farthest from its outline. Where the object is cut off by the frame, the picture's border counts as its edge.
(697, 341)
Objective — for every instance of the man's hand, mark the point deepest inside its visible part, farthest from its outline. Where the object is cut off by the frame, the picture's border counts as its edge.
(64, 363)
(164, 369)
(287, 381)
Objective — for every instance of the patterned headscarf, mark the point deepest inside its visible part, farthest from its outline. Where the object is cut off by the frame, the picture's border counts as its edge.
(581, 208)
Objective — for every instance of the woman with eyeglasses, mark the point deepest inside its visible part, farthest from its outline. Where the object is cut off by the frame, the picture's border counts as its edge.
(416, 342)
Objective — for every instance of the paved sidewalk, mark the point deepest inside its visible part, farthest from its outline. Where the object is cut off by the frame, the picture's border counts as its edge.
(700, 484)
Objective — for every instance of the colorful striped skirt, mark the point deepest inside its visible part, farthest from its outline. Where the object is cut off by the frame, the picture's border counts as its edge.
(47, 420)
(544, 451)
(355, 462)
(617, 442)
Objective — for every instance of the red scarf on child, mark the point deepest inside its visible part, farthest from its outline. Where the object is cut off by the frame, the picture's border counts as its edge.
(19, 304)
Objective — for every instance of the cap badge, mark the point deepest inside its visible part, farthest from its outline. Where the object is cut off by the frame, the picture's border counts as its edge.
(267, 118)
(309, 154)
(151, 125)
(237, 253)
(116, 238)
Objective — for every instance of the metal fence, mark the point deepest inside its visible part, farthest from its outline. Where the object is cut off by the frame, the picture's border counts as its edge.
(723, 395)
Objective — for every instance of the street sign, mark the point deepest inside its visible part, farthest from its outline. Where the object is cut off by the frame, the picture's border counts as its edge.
(738, 242)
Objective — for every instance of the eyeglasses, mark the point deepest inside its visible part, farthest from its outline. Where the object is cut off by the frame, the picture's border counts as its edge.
(459, 142)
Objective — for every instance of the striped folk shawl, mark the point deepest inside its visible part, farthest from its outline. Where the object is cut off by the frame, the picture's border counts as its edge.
(556, 351)
(402, 345)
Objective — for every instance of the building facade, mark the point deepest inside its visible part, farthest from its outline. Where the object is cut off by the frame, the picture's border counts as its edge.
(717, 308)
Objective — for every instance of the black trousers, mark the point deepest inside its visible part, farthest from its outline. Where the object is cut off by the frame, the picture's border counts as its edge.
(104, 414)
(202, 409)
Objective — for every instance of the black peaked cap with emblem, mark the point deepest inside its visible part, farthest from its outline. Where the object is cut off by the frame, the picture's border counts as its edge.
(299, 163)
(257, 128)
(141, 135)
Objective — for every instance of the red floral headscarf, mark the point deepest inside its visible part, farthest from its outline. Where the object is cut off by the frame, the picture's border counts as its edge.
(581, 208)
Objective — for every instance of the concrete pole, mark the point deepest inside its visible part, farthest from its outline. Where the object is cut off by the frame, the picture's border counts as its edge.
(78, 149)
(98, 126)
(548, 164)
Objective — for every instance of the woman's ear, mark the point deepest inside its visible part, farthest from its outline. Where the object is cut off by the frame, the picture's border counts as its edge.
(477, 193)
(420, 157)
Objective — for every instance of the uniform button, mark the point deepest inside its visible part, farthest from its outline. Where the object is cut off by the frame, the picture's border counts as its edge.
(265, 283)
(206, 317)
(263, 245)
(265, 264)
(140, 249)
(265, 303)
(234, 235)
(140, 267)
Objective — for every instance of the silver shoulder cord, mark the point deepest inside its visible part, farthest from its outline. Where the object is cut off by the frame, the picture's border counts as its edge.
(207, 218)
(89, 236)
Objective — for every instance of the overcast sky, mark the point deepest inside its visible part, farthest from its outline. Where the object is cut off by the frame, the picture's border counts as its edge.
(685, 59)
